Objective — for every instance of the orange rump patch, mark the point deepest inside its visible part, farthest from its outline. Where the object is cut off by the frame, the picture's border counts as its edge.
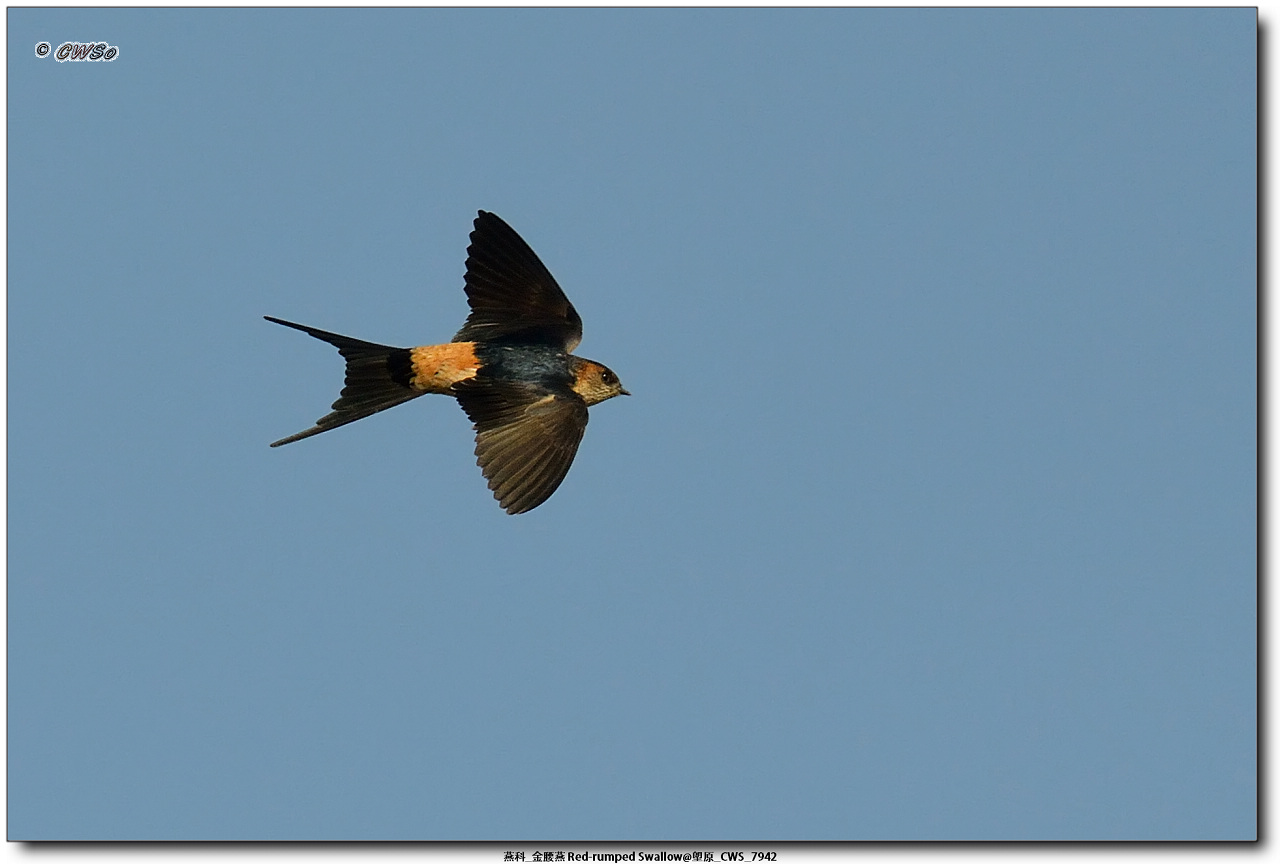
(436, 368)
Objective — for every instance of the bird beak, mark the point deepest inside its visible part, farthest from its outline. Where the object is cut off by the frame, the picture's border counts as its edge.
(624, 391)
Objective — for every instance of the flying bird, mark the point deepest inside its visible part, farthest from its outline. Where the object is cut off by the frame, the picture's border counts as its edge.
(510, 367)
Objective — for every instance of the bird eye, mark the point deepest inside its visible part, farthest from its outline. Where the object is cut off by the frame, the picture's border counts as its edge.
(608, 377)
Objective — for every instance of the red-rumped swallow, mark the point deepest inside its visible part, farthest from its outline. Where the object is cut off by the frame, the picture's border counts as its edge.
(509, 367)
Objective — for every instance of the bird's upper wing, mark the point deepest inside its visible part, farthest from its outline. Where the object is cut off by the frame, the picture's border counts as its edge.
(513, 297)
(526, 437)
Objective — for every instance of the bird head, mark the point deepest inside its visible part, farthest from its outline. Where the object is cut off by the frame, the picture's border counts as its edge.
(595, 382)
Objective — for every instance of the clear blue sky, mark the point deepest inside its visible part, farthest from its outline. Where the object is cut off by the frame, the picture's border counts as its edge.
(932, 515)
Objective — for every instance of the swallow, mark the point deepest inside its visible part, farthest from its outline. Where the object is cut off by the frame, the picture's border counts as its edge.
(510, 367)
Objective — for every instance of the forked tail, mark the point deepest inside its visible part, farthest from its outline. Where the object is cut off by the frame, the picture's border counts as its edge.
(378, 378)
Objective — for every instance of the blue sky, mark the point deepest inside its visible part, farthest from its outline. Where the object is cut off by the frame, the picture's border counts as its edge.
(932, 515)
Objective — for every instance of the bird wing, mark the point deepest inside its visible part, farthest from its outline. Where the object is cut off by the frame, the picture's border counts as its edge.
(526, 437)
(513, 297)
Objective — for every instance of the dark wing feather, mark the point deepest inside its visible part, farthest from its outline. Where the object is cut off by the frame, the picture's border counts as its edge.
(526, 437)
(513, 297)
